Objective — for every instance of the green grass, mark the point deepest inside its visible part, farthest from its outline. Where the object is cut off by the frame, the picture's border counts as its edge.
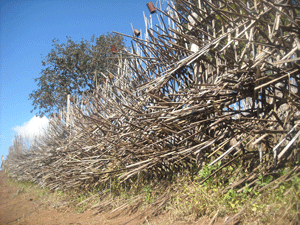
(275, 202)
(264, 201)
(25, 187)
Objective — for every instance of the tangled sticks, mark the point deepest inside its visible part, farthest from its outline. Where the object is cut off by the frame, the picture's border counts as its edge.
(219, 84)
(225, 77)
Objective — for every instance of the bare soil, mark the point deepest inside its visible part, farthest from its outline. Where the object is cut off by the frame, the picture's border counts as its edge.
(19, 207)
(24, 207)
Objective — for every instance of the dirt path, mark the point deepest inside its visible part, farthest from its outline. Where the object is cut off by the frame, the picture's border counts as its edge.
(17, 207)
(21, 207)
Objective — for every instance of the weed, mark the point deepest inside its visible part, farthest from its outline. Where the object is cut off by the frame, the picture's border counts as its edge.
(148, 194)
(264, 180)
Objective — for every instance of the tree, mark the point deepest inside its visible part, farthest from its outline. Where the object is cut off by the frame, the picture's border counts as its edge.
(73, 68)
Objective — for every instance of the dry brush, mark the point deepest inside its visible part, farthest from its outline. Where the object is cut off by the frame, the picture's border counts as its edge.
(215, 82)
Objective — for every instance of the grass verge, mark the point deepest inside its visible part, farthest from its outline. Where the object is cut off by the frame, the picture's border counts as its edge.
(270, 198)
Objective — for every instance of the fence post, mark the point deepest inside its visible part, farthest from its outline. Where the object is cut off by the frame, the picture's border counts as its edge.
(68, 110)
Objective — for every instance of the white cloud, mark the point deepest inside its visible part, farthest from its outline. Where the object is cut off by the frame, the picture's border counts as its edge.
(34, 127)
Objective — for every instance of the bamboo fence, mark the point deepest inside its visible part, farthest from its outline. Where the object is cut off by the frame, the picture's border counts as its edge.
(212, 83)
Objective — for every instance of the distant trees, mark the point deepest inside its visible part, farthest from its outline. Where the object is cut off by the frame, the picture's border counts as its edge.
(73, 68)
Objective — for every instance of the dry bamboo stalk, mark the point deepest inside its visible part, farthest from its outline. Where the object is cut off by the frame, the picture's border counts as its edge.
(155, 118)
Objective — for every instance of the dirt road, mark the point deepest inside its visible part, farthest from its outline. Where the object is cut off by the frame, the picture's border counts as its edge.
(25, 207)
(17, 207)
(20, 207)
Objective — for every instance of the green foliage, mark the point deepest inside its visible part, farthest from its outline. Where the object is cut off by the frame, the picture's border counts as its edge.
(206, 171)
(72, 68)
(148, 194)
(264, 180)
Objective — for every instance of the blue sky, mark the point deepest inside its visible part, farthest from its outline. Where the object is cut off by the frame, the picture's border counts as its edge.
(27, 29)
